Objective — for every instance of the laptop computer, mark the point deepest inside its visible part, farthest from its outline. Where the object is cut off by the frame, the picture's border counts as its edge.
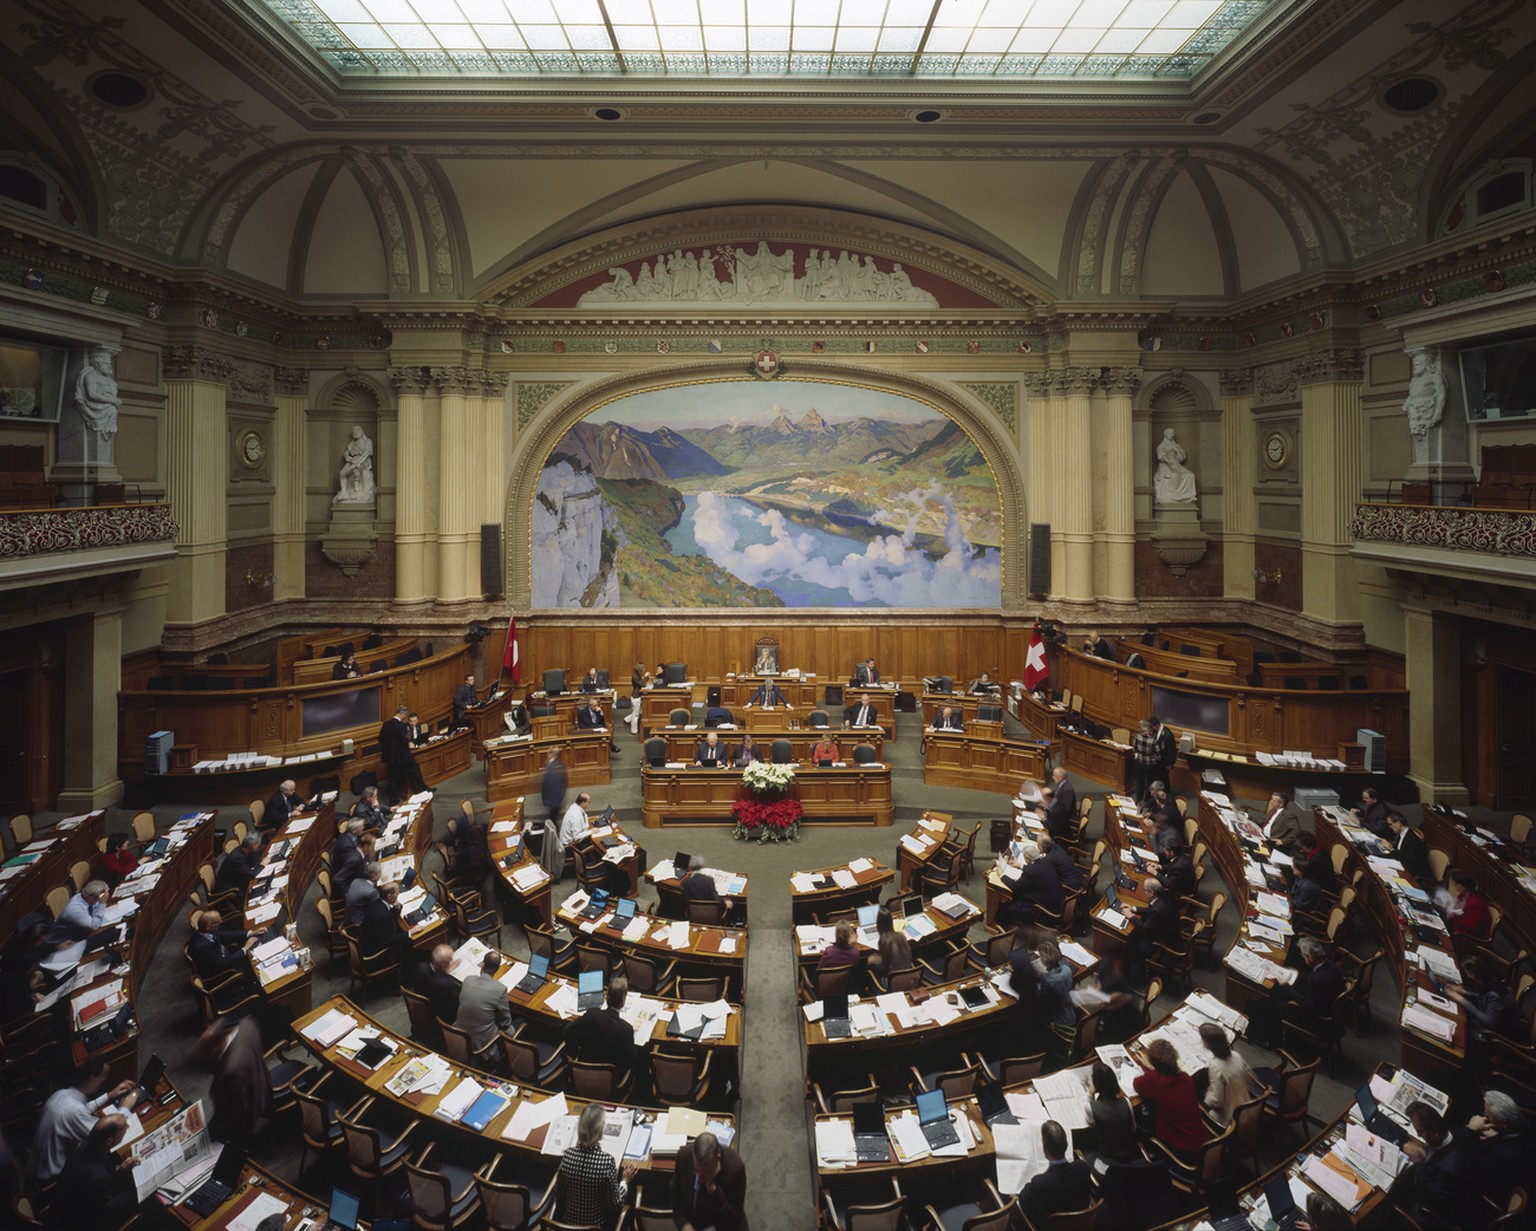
(868, 914)
(912, 906)
(1226, 1214)
(1283, 1210)
(994, 1104)
(623, 912)
(343, 1212)
(428, 905)
(869, 1137)
(150, 1079)
(1137, 861)
(157, 848)
(597, 905)
(680, 864)
(589, 990)
(1376, 1120)
(216, 1190)
(108, 1032)
(834, 1016)
(825, 762)
(408, 879)
(933, 1119)
(1112, 899)
(537, 976)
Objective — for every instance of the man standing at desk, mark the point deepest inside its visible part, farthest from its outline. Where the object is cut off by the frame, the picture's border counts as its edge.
(768, 695)
(464, 698)
(1167, 746)
(552, 795)
(395, 742)
(285, 801)
(861, 715)
(1147, 758)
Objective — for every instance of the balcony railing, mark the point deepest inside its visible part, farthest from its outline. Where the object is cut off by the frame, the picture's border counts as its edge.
(1505, 532)
(35, 532)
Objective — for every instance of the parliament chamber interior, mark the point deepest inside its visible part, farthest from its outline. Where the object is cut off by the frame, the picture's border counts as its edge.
(1018, 515)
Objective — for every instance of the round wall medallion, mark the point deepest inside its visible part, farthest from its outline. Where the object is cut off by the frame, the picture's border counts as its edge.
(1277, 450)
(253, 450)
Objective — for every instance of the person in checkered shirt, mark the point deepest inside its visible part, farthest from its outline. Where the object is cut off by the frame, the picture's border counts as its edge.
(589, 1189)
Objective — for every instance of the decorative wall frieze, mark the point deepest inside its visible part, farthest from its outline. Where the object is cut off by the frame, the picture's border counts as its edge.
(1236, 382)
(74, 529)
(1330, 366)
(1507, 532)
(250, 382)
(292, 382)
(195, 363)
(532, 396)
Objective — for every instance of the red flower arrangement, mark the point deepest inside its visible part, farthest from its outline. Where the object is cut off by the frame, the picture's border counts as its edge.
(767, 820)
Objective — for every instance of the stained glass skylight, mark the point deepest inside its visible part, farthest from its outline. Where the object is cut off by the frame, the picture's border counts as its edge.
(1138, 40)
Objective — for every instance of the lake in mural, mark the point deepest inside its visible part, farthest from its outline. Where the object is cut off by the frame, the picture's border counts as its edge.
(766, 494)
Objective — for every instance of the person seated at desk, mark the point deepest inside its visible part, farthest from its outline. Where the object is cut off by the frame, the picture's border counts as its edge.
(1097, 646)
(866, 673)
(1408, 845)
(947, 719)
(982, 686)
(346, 668)
(359, 893)
(1308, 1002)
(1176, 870)
(589, 1189)
(472, 849)
(70, 1114)
(416, 731)
(1054, 992)
(84, 913)
(240, 866)
(589, 681)
(769, 695)
(1063, 1185)
(214, 950)
(465, 698)
(893, 951)
(1177, 1121)
(379, 930)
(1439, 1169)
(862, 714)
(602, 1036)
(1072, 876)
(747, 750)
(1307, 895)
(709, 1187)
(1498, 1148)
(573, 828)
(1167, 838)
(1484, 994)
(710, 751)
(438, 986)
(718, 716)
(484, 1011)
(842, 951)
(826, 750)
(1373, 813)
(1282, 823)
(370, 810)
(1316, 863)
(697, 885)
(117, 861)
(284, 803)
(1112, 1119)
(590, 717)
(1037, 885)
(1464, 908)
(347, 856)
(96, 1187)
(1156, 923)
(1160, 806)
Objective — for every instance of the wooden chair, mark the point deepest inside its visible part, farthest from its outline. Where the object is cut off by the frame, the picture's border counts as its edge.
(531, 1062)
(561, 955)
(956, 1083)
(444, 1196)
(1439, 861)
(1247, 1120)
(509, 1204)
(591, 872)
(680, 1079)
(1085, 1219)
(373, 1154)
(424, 1028)
(458, 1046)
(1289, 1104)
(1193, 1176)
(840, 1102)
(1205, 940)
(1322, 1036)
(707, 914)
(702, 988)
(601, 1082)
(21, 831)
(470, 919)
(1177, 962)
(876, 1205)
(829, 981)
(944, 966)
(367, 970)
(992, 953)
(1011, 1070)
(1519, 834)
(335, 941)
(144, 828)
(57, 899)
(996, 1214)
(966, 840)
(319, 1126)
(79, 873)
(942, 871)
(644, 976)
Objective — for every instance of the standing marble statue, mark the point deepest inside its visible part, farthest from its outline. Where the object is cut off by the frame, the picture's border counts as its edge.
(1425, 403)
(96, 396)
(356, 470)
(1172, 482)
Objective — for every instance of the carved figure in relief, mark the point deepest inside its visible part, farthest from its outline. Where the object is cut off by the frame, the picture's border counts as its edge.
(356, 480)
(1425, 403)
(96, 396)
(1172, 482)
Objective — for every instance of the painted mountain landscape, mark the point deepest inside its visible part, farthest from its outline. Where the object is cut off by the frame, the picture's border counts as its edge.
(755, 494)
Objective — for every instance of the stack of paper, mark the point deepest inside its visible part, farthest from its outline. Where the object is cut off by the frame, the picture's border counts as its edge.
(834, 1143)
(1020, 1154)
(329, 1027)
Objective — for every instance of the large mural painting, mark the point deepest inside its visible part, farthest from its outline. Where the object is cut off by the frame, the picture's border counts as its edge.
(766, 494)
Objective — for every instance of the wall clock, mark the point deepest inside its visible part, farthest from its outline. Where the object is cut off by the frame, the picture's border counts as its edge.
(1277, 450)
(253, 450)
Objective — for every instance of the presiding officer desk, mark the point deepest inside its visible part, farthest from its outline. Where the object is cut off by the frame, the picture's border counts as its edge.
(802, 695)
(691, 794)
(683, 742)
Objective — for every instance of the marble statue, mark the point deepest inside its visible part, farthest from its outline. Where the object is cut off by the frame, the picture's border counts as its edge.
(356, 470)
(1172, 482)
(1425, 403)
(96, 396)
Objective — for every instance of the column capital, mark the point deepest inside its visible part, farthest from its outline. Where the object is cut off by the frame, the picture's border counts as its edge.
(1075, 382)
(408, 381)
(195, 363)
(1120, 382)
(1236, 382)
(1037, 384)
(292, 382)
(1330, 366)
(455, 380)
(493, 384)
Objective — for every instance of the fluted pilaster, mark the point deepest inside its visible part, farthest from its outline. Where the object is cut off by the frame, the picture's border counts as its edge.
(288, 482)
(1239, 451)
(197, 467)
(1074, 391)
(459, 472)
(412, 538)
(1331, 467)
(1114, 440)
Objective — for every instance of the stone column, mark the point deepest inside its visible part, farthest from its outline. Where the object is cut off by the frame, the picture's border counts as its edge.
(459, 469)
(1239, 475)
(1433, 645)
(411, 532)
(93, 654)
(288, 482)
(1330, 478)
(493, 482)
(1038, 433)
(1074, 423)
(197, 466)
(1114, 439)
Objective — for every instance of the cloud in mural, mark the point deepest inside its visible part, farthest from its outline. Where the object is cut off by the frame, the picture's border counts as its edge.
(889, 570)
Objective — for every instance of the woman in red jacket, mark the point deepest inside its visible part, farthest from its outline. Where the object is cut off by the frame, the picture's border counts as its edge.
(1177, 1122)
(1468, 909)
(118, 860)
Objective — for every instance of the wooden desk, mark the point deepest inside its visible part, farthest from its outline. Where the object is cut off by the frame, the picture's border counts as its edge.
(657, 704)
(488, 720)
(530, 888)
(851, 794)
(467, 1145)
(981, 760)
(254, 1181)
(717, 950)
(868, 880)
(1248, 778)
(1098, 759)
(1038, 716)
(411, 825)
(318, 670)
(311, 834)
(515, 767)
(669, 892)
(683, 742)
(1171, 662)
(1490, 866)
(444, 756)
(63, 844)
(935, 931)
(918, 846)
(963, 703)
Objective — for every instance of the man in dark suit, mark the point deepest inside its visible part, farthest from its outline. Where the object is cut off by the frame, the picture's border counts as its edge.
(1160, 806)
(242, 1087)
(768, 695)
(1066, 793)
(982, 686)
(866, 673)
(369, 810)
(697, 886)
(1063, 1185)
(347, 860)
(590, 717)
(1099, 647)
(710, 751)
(1153, 924)
(948, 719)
(1167, 746)
(96, 1187)
(1373, 813)
(1037, 885)
(240, 866)
(862, 714)
(437, 985)
(1439, 1169)
(214, 951)
(709, 1187)
(395, 743)
(1177, 871)
(1308, 1002)
(346, 668)
(417, 731)
(602, 1036)
(380, 930)
(1059, 819)
(1408, 845)
(1072, 876)
(284, 801)
(464, 698)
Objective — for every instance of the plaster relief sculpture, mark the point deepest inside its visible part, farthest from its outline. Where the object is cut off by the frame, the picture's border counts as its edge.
(1172, 482)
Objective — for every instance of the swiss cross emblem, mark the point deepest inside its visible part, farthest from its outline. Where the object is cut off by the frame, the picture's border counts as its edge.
(765, 365)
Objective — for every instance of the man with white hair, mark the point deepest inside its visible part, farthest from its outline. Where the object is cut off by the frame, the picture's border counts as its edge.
(284, 801)
(1037, 886)
(1498, 1147)
(437, 985)
(83, 914)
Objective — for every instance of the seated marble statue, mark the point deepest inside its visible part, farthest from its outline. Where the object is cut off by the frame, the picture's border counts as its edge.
(1173, 482)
